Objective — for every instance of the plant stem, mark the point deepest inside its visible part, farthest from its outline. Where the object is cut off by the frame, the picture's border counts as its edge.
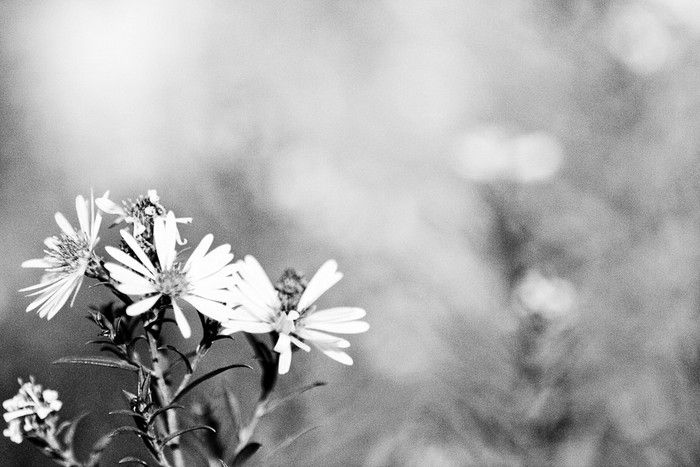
(165, 396)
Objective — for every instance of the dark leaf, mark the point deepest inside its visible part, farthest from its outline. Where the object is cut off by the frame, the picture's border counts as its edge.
(268, 365)
(70, 432)
(245, 454)
(98, 361)
(132, 460)
(183, 357)
(186, 430)
(99, 341)
(103, 442)
(234, 407)
(129, 413)
(273, 404)
(207, 376)
(163, 410)
(287, 442)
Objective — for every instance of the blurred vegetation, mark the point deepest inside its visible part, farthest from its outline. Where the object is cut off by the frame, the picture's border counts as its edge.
(445, 154)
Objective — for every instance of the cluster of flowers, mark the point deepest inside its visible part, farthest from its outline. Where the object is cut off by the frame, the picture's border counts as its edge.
(26, 413)
(147, 269)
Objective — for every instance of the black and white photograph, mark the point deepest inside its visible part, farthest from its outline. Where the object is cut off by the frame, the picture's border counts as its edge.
(330, 233)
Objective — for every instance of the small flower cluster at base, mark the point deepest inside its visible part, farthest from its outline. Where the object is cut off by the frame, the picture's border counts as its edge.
(27, 411)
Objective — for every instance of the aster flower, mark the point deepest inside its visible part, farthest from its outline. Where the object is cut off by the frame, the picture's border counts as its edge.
(27, 410)
(288, 310)
(68, 257)
(201, 281)
(140, 213)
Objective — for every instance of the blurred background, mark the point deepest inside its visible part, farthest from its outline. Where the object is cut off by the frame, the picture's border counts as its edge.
(512, 189)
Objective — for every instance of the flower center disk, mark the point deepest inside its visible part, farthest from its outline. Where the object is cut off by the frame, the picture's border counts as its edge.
(172, 283)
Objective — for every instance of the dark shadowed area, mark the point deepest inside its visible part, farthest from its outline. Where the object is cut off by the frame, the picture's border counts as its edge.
(511, 188)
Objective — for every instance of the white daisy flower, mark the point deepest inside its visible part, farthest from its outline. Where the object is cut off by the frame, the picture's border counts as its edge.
(67, 259)
(30, 403)
(202, 281)
(290, 312)
(138, 212)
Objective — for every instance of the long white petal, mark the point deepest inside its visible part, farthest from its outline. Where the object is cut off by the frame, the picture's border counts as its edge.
(338, 356)
(138, 251)
(322, 337)
(143, 306)
(81, 208)
(37, 263)
(108, 206)
(124, 275)
(216, 295)
(263, 312)
(255, 274)
(64, 224)
(285, 362)
(213, 310)
(181, 321)
(210, 263)
(300, 344)
(128, 261)
(253, 327)
(325, 278)
(283, 344)
(348, 327)
(200, 251)
(136, 288)
(338, 314)
(171, 236)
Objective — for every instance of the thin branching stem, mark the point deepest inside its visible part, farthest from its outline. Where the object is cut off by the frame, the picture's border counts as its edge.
(165, 395)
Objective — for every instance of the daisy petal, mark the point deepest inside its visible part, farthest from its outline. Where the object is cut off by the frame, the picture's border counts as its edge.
(325, 278)
(138, 251)
(213, 310)
(108, 206)
(142, 306)
(253, 327)
(200, 251)
(255, 274)
(181, 321)
(339, 314)
(124, 275)
(37, 263)
(285, 362)
(323, 338)
(64, 224)
(128, 261)
(348, 327)
(81, 208)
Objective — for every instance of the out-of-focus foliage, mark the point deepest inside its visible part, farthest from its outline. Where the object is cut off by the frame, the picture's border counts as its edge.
(443, 153)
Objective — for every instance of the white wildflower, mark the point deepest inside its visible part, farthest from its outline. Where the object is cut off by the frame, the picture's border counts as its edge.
(290, 313)
(202, 280)
(68, 256)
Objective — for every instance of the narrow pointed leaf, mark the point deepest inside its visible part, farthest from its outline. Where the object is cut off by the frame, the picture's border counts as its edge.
(186, 430)
(163, 410)
(289, 441)
(98, 361)
(234, 407)
(70, 432)
(245, 454)
(207, 376)
(273, 404)
(126, 412)
(132, 460)
(182, 356)
(103, 442)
